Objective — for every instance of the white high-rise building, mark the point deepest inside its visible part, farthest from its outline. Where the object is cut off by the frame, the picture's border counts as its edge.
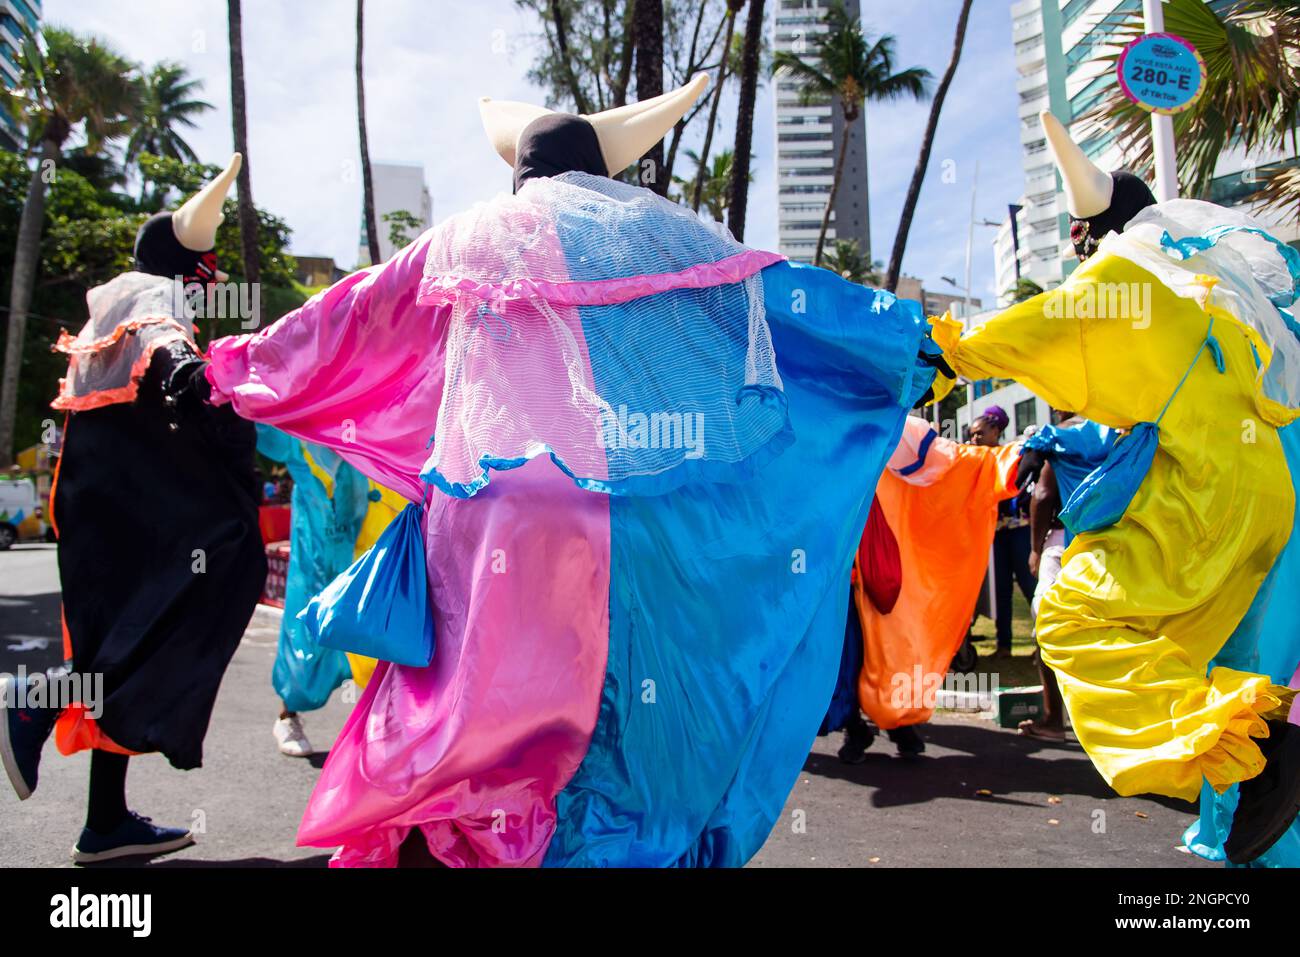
(397, 187)
(1034, 236)
(807, 146)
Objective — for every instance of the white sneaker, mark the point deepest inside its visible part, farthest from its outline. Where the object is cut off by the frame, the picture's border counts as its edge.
(291, 738)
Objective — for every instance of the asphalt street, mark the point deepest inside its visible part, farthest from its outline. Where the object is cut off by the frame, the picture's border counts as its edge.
(980, 797)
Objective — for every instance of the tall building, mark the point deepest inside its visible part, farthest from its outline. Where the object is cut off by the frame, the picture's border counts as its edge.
(14, 13)
(397, 187)
(807, 145)
(1034, 237)
(1058, 49)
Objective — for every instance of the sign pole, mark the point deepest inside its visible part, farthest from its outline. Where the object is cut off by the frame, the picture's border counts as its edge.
(1162, 125)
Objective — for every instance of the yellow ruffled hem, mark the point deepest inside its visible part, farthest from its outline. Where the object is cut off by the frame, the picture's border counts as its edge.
(1212, 742)
(1235, 756)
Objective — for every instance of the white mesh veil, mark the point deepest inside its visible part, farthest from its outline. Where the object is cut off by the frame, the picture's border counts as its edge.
(1180, 239)
(608, 327)
(130, 316)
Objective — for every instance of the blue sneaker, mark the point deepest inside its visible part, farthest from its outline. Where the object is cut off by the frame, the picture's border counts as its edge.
(133, 837)
(23, 731)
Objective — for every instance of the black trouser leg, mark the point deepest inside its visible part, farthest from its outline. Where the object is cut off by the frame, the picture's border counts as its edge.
(106, 808)
(1011, 567)
(857, 730)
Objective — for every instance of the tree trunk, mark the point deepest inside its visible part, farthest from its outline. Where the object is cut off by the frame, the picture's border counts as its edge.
(566, 64)
(691, 68)
(835, 188)
(619, 95)
(367, 184)
(239, 115)
(713, 110)
(649, 20)
(27, 258)
(927, 142)
(745, 121)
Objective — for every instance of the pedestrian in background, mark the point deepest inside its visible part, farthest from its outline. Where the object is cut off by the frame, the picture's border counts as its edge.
(1011, 545)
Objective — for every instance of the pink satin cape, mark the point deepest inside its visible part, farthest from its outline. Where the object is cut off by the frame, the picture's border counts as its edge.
(473, 749)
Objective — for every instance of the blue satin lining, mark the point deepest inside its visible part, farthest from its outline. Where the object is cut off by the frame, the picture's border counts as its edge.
(728, 601)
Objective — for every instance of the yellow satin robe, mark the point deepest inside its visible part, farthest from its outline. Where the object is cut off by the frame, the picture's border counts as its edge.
(1141, 608)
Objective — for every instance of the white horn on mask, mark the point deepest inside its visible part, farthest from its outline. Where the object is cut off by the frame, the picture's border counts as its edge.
(624, 133)
(196, 222)
(504, 120)
(1088, 189)
(627, 132)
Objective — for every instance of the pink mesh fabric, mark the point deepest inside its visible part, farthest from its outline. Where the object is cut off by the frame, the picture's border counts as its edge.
(580, 304)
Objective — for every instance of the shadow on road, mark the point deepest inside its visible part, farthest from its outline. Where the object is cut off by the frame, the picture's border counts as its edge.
(315, 861)
(963, 759)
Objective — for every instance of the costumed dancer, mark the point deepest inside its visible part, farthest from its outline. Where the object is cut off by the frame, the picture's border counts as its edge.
(611, 420)
(1055, 460)
(329, 502)
(934, 492)
(155, 603)
(1173, 330)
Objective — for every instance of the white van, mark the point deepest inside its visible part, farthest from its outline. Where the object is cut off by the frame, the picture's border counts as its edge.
(20, 512)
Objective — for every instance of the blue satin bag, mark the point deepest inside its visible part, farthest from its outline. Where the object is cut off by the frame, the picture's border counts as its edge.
(1104, 495)
(380, 606)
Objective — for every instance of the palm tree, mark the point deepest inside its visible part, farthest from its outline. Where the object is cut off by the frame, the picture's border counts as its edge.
(168, 100)
(724, 63)
(1024, 288)
(845, 259)
(848, 68)
(367, 184)
(738, 198)
(1251, 95)
(710, 184)
(74, 83)
(239, 119)
(923, 161)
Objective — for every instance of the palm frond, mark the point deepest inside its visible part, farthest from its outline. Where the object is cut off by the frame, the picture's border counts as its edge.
(1252, 87)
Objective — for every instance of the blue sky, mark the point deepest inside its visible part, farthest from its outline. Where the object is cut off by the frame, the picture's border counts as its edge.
(428, 61)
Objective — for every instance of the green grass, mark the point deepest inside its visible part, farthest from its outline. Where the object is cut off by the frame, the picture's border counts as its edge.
(1019, 670)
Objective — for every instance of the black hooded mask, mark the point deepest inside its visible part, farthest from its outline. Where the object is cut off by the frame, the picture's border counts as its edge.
(558, 143)
(159, 253)
(1130, 196)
